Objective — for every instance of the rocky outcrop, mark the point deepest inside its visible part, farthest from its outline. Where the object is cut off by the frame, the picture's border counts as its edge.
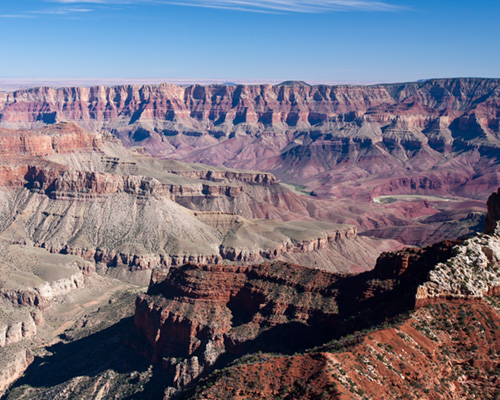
(259, 178)
(302, 246)
(203, 311)
(62, 138)
(31, 279)
(41, 295)
(473, 271)
(14, 363)
(195, 315)
(18, 325)
(493, 215)
(471, 274)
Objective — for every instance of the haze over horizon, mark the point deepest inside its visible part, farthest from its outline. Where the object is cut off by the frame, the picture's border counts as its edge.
(266, 40)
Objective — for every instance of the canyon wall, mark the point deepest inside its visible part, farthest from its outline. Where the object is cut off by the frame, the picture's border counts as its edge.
(72, 191)
(437, 138)
(396, 138)
(197, 317)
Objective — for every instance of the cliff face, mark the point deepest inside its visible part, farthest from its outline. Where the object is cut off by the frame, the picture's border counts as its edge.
(204, 311)
(435, 138)
(306, 130)
(60, 138)
(76, 192)
(197, 316)
(263, 105)
(13, 366)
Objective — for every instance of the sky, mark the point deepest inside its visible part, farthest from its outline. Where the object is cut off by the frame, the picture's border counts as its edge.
(310, 40)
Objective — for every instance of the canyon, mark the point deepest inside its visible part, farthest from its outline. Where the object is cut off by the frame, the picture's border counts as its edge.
(260, 231)
(72, 191)
(384, 329)
(85, 220)
(279, 330)
(438, 139)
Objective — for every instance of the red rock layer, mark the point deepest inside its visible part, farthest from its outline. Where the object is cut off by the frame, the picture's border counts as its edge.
(22, 152)
(61, 138)
(447, 351)
(207, 314)
(291, 104)
(437, 137)
(194, 310)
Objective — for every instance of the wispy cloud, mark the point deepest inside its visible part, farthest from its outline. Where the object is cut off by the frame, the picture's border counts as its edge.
(301, 6)
(62, 11)
(268, 6)
(15, 16)
(104, 2)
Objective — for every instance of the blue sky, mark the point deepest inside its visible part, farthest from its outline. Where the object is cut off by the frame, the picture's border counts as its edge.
(312, 40)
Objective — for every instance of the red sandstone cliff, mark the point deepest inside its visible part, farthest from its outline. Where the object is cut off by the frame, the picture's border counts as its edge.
(291, 104)
(197, 317)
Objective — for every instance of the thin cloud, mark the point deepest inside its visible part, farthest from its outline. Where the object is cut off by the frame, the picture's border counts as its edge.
(103, 2)
(79, 1)
(300, 6)
(268, 6)
(225, 7)
(15, 16)
(62, 11)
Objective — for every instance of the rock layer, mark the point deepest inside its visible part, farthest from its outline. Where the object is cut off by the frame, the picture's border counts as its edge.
(436, 137)
(14, 363)
(195, 317)
(493, 215)
(95, 199)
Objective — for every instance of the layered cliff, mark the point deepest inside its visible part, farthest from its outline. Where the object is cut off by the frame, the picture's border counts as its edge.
(196, 318)
(437, 137)
(76, 192)
(207, 107)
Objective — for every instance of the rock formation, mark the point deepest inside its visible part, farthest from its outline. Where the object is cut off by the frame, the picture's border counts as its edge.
(437, 137)
(395, 161)
(196, 317)
(75, 192)
(14, 363)
(493, 215)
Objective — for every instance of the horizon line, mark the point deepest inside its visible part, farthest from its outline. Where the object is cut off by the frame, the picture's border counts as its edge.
(13, 84)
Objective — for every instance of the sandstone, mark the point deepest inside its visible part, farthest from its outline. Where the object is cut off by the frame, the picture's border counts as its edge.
(97, 200)
(435, 137)
(202, 315)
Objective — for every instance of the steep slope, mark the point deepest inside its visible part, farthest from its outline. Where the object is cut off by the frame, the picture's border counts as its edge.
(198, 318)
(423, 324)
(437, 138)
(448, 351)
(76, 192)
(33, 282)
